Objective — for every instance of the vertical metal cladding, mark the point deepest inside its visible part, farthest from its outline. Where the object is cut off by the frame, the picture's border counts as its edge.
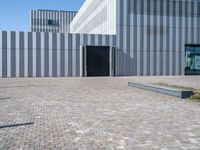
(1, 54)
(34, 54)
(51, 20)
(151, 36)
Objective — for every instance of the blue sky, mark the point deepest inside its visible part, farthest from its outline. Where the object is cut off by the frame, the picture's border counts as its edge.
(14, 14)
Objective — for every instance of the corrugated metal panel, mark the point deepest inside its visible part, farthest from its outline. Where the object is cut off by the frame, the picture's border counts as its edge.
(151, 36)
(1, 54)
(28, 54)
(60, 20)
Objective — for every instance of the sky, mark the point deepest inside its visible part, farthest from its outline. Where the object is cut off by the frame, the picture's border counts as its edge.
(14, 14)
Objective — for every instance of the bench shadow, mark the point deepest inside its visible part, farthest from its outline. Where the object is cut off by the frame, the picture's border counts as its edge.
(24, 86)
(5, 98)
(16, 125)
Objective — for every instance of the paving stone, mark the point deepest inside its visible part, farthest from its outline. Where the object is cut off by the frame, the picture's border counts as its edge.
(96, 113)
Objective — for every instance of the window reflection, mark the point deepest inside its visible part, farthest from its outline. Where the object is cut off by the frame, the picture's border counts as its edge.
(192, 58)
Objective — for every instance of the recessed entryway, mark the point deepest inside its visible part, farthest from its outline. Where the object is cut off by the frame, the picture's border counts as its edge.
(97, 61)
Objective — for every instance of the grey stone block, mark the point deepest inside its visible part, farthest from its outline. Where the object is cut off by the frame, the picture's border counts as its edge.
(180, 93)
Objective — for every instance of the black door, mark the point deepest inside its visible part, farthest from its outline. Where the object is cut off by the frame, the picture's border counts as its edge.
(98, 61)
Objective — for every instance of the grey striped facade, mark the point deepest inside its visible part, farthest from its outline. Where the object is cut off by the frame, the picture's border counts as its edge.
(39, 20)
(151, 35)
(150, 40)
(34, 54)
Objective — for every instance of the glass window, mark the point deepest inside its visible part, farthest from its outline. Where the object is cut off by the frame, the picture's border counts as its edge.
(50, 22)
(197, 59)
(192, 60)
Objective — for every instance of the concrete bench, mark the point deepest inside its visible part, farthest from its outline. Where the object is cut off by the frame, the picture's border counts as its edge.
(180, 93)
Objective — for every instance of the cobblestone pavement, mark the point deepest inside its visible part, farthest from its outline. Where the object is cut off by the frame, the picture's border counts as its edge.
(96, 113)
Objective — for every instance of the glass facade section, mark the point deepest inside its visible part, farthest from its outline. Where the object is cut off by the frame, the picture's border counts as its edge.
(192, 60)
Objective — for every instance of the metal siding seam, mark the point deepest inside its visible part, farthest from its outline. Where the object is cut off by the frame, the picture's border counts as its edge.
(177, 43)
(30, 54)
(33, 23)
(46, 54)
(70, 54)
(74, 36)
(39, 14)
(4, 54)
(148, 38)
(46, 17)
(174, 41)
(58, 54)
(38, 21)
(82, 39)
(21, 54)
(8, 54)
(38, 54)
(62, 55)
(96, 39)
(131, 45)
(128, 41)
(161, 39)
(180, 44)
(18, 51)
(196, 25)
(31, 20)
(186, 24)
(92, 39)
(167, 38)
(183, 41)
(164, 40)
(198, 30)
(54, 56)
(134, 42)
(158, 51)
(151, 32)
(1, 54)
(145, 48)
(155, 42)
(78, 55)
(42, 20)
(192, 22)
(142, 38)
(125, 36)
(170, 43)
(124, 51)
(26, 54)
(103, 40)
(42, 54)
(99, 39)
(50, 54)
(60, 20)
(34, 54)
(138, 44)
(66, 56)
(13, 54)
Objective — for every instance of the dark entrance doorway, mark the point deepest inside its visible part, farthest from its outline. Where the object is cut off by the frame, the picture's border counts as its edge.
(98, 60)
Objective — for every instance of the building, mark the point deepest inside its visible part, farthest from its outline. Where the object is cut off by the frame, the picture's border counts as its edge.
(51, 20)
(112, 37)
(153, 36)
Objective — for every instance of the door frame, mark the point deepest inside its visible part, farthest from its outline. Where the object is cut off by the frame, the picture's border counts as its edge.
(83, 60)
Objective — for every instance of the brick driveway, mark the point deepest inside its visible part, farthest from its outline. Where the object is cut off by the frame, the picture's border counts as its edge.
(96, 113)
